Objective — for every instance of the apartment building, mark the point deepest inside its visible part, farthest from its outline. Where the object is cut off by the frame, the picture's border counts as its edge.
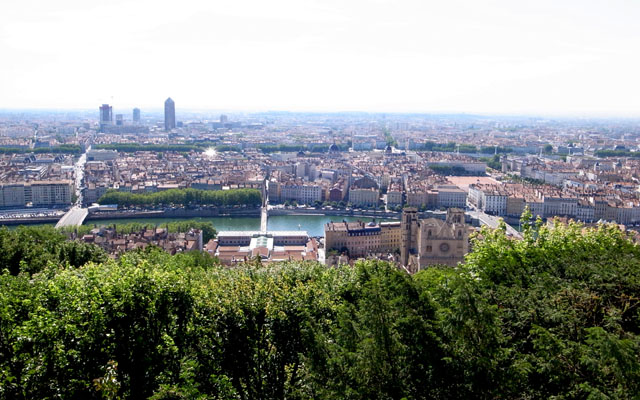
(491, 199)
(394, 195)
(338, 191)
(364, 197)
(49, 193)
(451, 196)
(585, 211)
(301, 192)
(12, 195)
(515, 206)
(38, 193)
(559, 205)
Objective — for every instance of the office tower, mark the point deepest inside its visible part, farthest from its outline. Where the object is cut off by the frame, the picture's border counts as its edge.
(224, 119)
(119, 120)
(136, 115)
(169, 114)
(106, 117)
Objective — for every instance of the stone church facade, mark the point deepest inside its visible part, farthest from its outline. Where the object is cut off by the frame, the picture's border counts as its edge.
(417, 243)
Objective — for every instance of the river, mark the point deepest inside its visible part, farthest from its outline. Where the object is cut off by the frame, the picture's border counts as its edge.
(313, 224)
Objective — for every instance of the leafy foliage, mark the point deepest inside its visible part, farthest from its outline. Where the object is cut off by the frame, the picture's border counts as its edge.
(492, 162)
(133, 147)
(63, 148)
(450, 170)
(569, 302)
(314, 147)
(616, 153)
(31, 249)
(250, 197)
(228, 147)
(556, 315)
(462, 148)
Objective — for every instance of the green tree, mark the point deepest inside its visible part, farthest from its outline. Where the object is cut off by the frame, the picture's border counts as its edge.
(384, 343)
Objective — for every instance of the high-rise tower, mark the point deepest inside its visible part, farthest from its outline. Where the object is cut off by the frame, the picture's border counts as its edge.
(136, 115)
(106, 116)
(169, 114)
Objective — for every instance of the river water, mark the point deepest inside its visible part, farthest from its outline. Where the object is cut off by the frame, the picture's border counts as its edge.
(313, 224)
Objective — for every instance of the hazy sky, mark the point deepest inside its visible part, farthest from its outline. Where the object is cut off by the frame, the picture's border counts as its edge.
(559, 57)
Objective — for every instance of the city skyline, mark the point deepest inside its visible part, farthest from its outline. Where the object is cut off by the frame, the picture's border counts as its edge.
(375, 56)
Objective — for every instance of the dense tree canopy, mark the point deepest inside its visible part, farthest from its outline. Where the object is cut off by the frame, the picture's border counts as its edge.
(232, 197)
(462, 148)
(133, 147)
(63, 148)
(492, 162)
(556, 315)
(312, 147)
(451, 170)
(228, 147)
(616, 153)
(30, 249)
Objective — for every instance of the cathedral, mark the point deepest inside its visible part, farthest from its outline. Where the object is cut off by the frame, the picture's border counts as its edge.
(433, 241)
(417, 243)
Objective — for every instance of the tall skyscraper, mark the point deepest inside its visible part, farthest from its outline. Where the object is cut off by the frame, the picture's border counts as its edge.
(169, 114)
(106, 116)
(224, 119)
(136, 115)
(119, 120)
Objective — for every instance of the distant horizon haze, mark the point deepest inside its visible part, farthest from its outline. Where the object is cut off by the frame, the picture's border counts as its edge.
(498, 57)
(216, 112)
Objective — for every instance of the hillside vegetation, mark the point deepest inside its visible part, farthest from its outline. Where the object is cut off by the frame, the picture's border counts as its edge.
(553, 316)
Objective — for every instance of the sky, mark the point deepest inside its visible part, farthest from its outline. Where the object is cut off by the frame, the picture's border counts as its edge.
(558, 57)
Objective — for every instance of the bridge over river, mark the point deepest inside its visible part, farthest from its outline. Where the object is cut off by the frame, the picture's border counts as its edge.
(74, 217)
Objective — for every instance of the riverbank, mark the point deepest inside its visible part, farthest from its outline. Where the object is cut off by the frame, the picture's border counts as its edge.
(176, 213)
(344, 213)
(183, 213)
(29, 221)
(230, 212)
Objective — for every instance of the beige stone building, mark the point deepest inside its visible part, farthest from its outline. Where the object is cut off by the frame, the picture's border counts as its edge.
(394, 195)
(364, 196)
(422, 198)
(360, 239)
